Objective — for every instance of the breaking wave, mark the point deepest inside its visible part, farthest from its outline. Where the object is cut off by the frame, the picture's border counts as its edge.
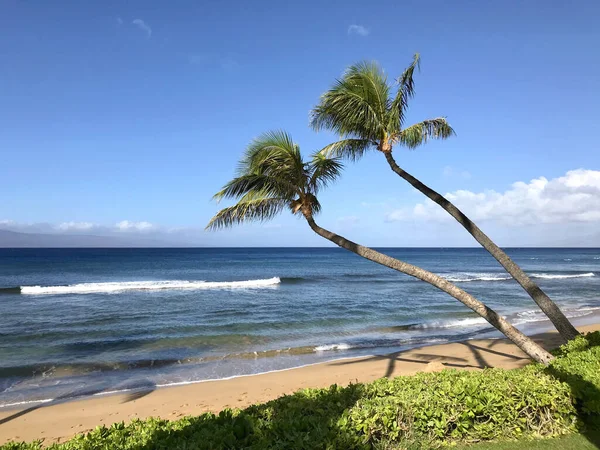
(110, 287)
(325, 348)
(561, 277)
(454, 323)
(467, 277)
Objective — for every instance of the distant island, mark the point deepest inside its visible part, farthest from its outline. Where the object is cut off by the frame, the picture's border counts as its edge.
(14, 239)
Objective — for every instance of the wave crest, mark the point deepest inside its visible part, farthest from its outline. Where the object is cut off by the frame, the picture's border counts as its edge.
(329, 347)
(547, 276)
(452, 323)
(113, 287)
(467, 277)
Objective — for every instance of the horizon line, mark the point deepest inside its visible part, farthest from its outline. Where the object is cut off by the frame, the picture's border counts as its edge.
(285, 247)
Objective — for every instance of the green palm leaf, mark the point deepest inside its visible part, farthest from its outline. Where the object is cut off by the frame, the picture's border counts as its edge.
(274, 152)
(352, 149)
(252, 208)
(406, 91)
(355, 105)
(324, 171)
(253, 182)
(419, 133)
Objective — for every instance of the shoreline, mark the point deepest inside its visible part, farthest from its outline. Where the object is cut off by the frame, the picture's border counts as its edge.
(60, 420)
(15, 406)
(535, 327)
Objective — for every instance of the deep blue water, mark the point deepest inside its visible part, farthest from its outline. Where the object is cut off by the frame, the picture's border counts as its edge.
(81, 321)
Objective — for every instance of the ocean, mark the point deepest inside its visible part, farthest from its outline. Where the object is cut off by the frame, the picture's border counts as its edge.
(80, 322)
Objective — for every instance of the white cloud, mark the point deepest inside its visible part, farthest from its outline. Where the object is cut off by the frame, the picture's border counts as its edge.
(143, 26)
(451, 172)
(126, 225)
(75, 226)
(119, 21)
(358, 29)
(572, 198)
(398, 215)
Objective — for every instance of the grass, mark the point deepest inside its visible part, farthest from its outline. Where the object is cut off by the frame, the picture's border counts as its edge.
(570, 442)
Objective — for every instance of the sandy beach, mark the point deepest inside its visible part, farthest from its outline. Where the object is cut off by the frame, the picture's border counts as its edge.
(56, 422)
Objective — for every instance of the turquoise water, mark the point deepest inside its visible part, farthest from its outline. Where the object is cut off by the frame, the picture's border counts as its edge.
(84, 321)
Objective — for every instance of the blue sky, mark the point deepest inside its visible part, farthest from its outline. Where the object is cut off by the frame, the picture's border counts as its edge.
(137, 111)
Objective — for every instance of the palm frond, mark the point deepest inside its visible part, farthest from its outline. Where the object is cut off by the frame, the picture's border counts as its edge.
(352, 149)
(274, 153)
(271, 147)
(252, 182)
(356, 105)
(254, 207)
(406, 79)
(421, 132)
(370, 77)
(323, 171)
(406, 91)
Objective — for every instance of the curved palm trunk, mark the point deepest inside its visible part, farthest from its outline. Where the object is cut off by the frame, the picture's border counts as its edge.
(528, 346)
(551, 309)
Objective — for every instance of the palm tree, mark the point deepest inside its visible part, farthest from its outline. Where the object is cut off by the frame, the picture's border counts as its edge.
(362, 108)
(273, 177)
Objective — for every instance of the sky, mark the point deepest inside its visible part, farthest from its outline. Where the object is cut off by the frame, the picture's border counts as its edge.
(125, 117)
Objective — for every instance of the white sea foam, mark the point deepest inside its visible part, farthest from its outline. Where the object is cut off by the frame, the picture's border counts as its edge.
(467, 276)
(463, 277)
(547, 276)
(528, 317)
(538, 316)
(456, 323)
(110, 287)
(329, 347)
(518, 318)
(27, 402)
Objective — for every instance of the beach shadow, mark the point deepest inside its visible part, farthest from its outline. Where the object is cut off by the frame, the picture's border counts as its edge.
(477, 351)
(78, 394)
(138, 393)
(394, 358)
(303, 421)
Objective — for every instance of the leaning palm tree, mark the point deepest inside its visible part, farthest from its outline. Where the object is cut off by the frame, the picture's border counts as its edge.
(273, 177)
(363, 109)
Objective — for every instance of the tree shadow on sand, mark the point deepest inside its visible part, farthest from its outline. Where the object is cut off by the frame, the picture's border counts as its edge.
(478, 352)
(140, 390)
(133, 390)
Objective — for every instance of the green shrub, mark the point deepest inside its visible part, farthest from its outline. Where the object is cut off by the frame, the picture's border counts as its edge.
(422, 411)
(454, 405)
(578, 365)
